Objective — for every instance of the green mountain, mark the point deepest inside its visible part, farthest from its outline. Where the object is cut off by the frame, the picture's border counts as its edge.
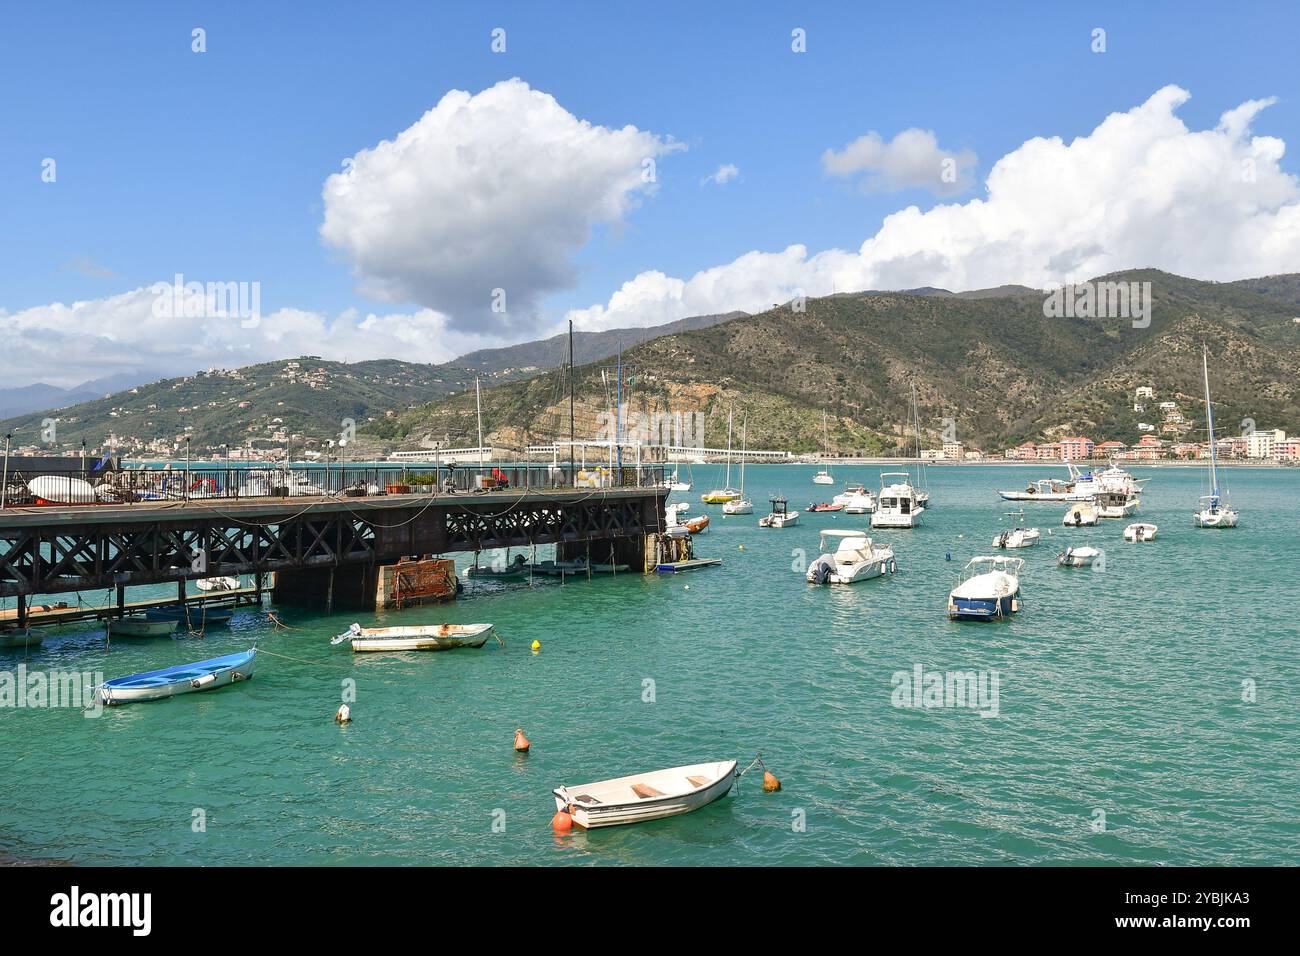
(992, 366)
(305, 397)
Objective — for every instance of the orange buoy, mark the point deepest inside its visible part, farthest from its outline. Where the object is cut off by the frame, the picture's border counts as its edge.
(770, 783)
(562, 822)
(521, 742)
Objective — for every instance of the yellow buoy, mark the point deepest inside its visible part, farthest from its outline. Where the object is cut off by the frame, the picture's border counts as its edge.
(740, 547)
(536, 646)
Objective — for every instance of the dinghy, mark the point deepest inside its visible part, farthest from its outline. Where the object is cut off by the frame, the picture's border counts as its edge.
(136, 625)
(1078, 557)
(514, 571)
(432, 637)
(646, 796)
(989, 588)
(1017, 538)
(697, 524)
(182, 679)
(1140, 531)
(824, 506)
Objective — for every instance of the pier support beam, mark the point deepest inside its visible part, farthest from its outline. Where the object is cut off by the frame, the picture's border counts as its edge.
(345, 588)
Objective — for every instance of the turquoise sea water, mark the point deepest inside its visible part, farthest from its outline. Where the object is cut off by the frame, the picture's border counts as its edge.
(1120, 691)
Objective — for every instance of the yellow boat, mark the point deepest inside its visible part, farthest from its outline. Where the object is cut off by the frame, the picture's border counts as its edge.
(720, 497)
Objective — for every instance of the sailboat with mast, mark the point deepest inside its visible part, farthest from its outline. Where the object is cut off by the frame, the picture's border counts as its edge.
(1215, 511)
(922, 479)
(719, 496)
(824, 477)
(741, 505)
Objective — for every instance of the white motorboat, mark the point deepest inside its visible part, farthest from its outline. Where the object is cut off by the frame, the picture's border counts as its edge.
(855, 558)
(1017, 538)
(852, 490)
(898, 505)
(1082, 514)
(646, 796)
(861, 502)
(433, 637)
(780, 516)
(988, 589)
(674, 482)
(1215, 511)
(229, 583)
(1080, 556)
(1140, 531)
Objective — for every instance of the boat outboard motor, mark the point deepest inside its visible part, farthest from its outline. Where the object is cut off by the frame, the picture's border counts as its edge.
(820, 570)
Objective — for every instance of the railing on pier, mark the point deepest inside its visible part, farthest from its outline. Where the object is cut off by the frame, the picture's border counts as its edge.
(80, 486)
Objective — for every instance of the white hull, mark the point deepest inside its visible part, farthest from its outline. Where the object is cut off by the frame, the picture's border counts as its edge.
(434, 637)
(1020, 538)
(738, 507)
(892, 520)
(822, 478)
(779, 521)
(1140, 532)
(670, 792)
(1078, 557)
(1222, 518)
(63, 491)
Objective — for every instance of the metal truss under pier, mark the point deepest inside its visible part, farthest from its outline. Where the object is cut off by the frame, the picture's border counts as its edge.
(47, 550)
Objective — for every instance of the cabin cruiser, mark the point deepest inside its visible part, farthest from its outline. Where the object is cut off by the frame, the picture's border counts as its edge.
(855, 558)
(780, 516)
(988, 589)
(1017, 538)
(1080, 486)
(898, 505)
(1115, 504)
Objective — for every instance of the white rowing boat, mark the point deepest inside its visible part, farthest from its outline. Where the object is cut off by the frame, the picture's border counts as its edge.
(431, 637)
(646, 796)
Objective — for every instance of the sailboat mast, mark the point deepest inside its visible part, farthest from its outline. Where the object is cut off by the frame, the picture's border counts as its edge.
(744, 447)
(572, 473)
(478, 409)
(1209, 421)
(727, 483)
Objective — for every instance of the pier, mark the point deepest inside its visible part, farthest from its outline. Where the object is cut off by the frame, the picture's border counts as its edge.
(327, 549)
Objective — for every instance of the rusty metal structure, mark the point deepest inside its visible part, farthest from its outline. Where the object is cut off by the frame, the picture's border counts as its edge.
(326, 547)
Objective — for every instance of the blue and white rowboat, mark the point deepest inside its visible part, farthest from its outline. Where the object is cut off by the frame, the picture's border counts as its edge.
(181, 679)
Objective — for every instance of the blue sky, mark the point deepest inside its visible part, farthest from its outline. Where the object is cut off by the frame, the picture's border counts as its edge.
(212, 164)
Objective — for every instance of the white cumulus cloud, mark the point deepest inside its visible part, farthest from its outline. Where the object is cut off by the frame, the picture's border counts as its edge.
(66, 344)
(912, 159)
(1140, 190)
(494, 190)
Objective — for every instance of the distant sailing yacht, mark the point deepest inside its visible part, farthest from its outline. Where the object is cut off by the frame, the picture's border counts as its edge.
(1215, 511)
(922, 480)
(824, 477)
(726, 493)
(741, 505)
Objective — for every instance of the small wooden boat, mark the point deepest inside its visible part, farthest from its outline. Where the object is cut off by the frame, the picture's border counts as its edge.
(140, 626)
(646, 796)
(193, 616)
(1140, 531)
(697, 524)
(20, 638)
(432, 637)
(181, 679)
